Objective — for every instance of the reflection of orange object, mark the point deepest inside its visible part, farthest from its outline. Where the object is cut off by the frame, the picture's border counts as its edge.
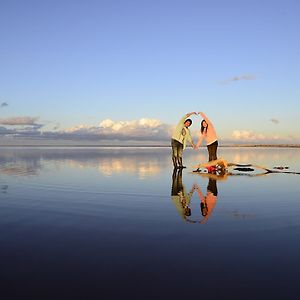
(211, 169)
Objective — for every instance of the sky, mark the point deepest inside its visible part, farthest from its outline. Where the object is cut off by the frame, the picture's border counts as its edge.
(126, 71)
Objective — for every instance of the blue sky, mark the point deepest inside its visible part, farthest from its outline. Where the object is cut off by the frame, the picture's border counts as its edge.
(68, 66)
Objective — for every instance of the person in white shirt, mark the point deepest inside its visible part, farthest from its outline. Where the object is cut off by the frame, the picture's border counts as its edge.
(180, 135)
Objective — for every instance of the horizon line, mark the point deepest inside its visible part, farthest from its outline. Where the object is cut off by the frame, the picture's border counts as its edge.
(152, 146)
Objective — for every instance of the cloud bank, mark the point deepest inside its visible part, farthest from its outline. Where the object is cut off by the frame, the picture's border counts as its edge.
(139, 130)
(145, 131)
(249, 136)
(108, 130)
(19, 121)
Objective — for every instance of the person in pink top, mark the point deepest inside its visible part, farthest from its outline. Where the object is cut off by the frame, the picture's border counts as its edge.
(208, 133)
(209, 201)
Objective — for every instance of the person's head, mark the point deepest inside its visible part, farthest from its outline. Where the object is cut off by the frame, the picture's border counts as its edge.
(204, 209)
(187, 211)
(187, 123)
(204, 126)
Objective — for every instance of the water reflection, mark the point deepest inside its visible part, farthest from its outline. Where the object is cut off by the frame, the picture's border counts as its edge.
(141, 161)
(181, 198)
(4, 189)
(111, 166)
(19, 164)
(30, 161)
(209, 201)
(206, 199)
(19, 169)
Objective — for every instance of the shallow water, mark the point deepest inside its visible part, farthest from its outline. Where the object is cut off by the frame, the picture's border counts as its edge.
(101, 223)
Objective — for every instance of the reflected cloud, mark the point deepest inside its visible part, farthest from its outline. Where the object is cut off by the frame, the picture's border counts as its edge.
(18, 170)
(125, 165)
(144, 162)
(29, 161)
(12, 165)
(250, 156)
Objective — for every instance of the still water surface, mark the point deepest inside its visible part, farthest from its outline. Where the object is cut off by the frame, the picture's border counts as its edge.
(106, 223)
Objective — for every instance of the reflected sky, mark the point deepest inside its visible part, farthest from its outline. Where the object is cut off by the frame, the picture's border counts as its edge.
(135, 172)
(28, 161)
(142, 161)
(121, 215)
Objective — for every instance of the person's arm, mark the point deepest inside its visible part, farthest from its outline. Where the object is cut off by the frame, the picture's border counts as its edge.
(191, 113)
(200, 141)
(189, 196)
(182, 120)
(189, 138)
(200, 194)
(203, 115)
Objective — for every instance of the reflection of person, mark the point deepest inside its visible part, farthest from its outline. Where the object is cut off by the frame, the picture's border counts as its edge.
(208, 133)
(180, 135)
(180, 197)
(209, 201)
(220, 176)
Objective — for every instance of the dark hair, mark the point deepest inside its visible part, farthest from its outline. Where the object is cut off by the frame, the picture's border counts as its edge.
(204, 209)
(189, 120)
(187, 211)
(202, 127)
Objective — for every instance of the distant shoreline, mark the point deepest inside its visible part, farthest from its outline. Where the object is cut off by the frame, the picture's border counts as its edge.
(149, 146)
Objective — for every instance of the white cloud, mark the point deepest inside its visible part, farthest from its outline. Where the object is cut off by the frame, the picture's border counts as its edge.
(79, 128)
(142, 129)
(108, 131)
(152, 123)
(251, 136)
(125, 126)
(247, 135)
(108, 123)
